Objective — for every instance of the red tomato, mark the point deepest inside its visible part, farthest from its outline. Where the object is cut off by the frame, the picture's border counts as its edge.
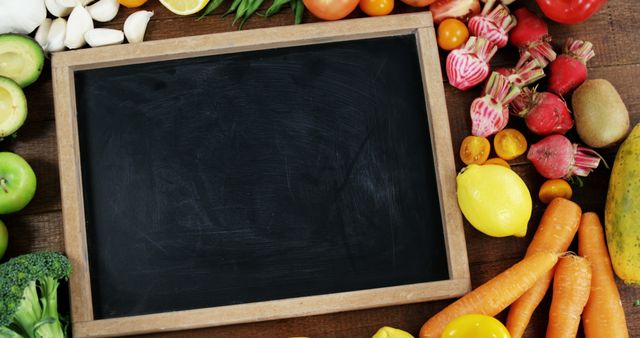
(452, 33)
(418, 3)
(569, 11)
(330, 9)
(459, 9)
(376, 7)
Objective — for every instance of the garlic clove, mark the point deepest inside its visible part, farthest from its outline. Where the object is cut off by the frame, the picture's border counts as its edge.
(136, 25)
(56, 9)
(104, 10)
(57, 33)
(42, 33)
(68, 3)
(103, 37)
(21, 16)
(80, 22)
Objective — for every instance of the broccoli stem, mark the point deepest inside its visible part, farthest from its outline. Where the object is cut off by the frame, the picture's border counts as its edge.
(49, 324)
(6, 332)
(29, 311)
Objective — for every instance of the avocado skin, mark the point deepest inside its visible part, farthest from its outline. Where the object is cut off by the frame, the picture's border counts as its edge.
(30, 50)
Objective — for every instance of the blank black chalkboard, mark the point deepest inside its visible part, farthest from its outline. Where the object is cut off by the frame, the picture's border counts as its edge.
(257, 176)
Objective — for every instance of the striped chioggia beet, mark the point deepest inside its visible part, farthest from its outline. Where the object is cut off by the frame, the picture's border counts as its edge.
(531, 34)
(490, 113)
(469, 66)
(544, 113)
(527, 71)
(569, 70)
(493, 25)
(556, 157)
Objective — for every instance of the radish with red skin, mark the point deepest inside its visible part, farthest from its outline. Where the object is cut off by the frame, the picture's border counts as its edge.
(531, 34)
(556, 157)
(544, 113)
(569, 70)
(490, 113)
(468, 66)
(493, 25)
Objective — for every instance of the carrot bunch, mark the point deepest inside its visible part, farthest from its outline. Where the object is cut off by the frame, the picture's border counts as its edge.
(556, 230)
(583, 287)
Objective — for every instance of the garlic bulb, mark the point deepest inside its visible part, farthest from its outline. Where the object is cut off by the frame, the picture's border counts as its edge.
(42, 33)
(57, 33)
(104, 10)
(80, 22)
(21, 16)
(136, 25)
(103, 37)
(56, 10)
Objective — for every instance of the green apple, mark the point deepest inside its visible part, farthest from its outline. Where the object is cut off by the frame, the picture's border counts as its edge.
(17, 183)
(4, 239)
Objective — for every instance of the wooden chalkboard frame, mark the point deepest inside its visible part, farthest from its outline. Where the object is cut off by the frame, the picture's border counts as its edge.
(65, 64)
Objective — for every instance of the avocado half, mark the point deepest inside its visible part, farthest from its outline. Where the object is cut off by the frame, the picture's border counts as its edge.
(21, 58)
(13, 107)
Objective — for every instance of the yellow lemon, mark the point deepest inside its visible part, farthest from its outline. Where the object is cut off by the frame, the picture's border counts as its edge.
(184, 7)
(475, 326)
(494, 199)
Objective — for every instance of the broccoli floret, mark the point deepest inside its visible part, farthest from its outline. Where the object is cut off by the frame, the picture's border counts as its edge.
(24, 313)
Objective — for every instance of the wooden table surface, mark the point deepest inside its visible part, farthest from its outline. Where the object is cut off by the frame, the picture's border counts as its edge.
(612, 31)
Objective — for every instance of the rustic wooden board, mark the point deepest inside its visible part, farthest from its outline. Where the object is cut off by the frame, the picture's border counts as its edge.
(612, 30)
(87, 323)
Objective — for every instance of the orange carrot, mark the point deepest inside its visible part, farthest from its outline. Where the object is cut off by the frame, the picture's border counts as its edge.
(603, 316)
(495, 295)
(556, 230)
(571, 287)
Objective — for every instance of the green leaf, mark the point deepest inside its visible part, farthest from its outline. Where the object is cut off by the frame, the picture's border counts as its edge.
(253, 7)
(212, 6)
(242, 9)
(299, 10)
(275, 7)
(234, 6)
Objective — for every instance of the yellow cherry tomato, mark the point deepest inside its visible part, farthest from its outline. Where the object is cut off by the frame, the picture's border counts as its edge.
(497, 161)
(474, 149)
(452, 33)
(132, 3)
(475, 326)
(551, 189)
(376, 7)
(509, 144)
(418, 3)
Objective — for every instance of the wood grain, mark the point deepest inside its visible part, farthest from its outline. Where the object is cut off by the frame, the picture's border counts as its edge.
(612, 30)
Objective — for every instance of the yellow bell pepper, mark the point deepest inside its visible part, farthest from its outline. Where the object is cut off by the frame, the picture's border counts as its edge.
(389, 332)
(475, 326)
